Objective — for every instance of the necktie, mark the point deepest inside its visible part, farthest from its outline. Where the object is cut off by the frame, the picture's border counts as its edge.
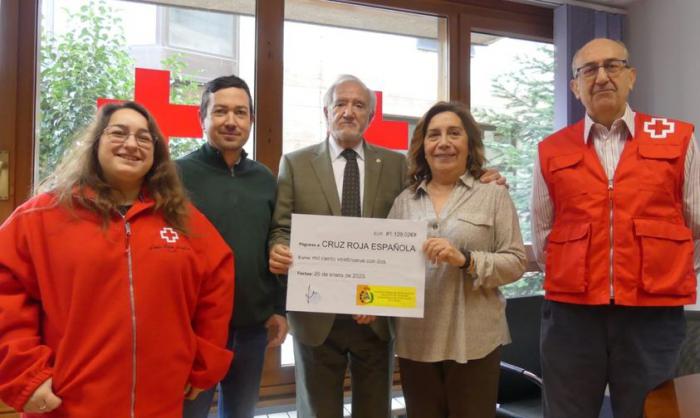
(351, 185)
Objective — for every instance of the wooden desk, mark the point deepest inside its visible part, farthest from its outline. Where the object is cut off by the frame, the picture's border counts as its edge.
(677, 398)
(6, 412)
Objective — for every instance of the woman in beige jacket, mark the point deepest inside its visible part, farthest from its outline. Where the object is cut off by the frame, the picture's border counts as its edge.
(449, 359)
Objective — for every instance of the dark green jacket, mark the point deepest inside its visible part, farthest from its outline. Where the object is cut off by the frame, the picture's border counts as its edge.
(239, 202)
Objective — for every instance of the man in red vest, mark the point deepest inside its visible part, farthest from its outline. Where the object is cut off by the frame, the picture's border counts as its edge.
(616, 223)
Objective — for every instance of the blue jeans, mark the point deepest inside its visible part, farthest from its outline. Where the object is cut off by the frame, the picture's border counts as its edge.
(238, 391)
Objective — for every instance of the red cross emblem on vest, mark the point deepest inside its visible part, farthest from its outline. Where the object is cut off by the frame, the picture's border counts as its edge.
(659, 128)
(169, 235)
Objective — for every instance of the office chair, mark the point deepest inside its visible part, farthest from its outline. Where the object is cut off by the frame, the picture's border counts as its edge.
(520, 387)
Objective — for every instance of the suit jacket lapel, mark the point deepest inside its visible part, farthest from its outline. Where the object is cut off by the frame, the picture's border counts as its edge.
(324, 172)
(373, 167)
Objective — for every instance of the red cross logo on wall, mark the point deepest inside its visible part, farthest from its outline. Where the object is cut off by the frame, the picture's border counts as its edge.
(659, 128)
(152, 90)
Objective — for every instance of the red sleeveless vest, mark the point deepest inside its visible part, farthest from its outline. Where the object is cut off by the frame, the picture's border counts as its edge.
(652, 248)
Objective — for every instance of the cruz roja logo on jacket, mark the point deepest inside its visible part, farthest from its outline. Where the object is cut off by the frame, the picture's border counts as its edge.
(169, 239)
(659, 128)
(169, 235)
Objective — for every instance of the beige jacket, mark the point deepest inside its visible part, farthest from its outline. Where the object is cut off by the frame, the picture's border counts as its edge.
(464, 313)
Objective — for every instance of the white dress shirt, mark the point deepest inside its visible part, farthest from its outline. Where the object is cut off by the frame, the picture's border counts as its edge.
(609, 145)
(338, 164)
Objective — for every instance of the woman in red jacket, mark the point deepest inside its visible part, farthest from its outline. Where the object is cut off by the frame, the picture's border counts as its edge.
(115, 292)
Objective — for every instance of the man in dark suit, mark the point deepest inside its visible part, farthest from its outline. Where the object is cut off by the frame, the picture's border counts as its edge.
(343, 175)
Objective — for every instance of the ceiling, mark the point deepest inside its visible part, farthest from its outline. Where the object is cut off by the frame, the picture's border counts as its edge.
(611, 4)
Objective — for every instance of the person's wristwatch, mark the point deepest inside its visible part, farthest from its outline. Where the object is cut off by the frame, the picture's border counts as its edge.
(467, 259)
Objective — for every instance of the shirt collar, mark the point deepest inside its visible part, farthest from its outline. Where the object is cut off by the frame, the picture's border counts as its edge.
(627, 118)
(215, 156)
(335, 150)
(466, 179)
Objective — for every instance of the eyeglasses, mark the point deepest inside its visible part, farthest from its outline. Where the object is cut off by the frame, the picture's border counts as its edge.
(118, 135)
(612, 68)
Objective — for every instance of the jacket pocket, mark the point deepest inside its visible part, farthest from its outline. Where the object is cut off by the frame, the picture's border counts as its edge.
(475, 231)
(476, 219)
(564, 161)
(660, 152)
(667, 257)
(660, 165)
(567, 174)
(567, 252)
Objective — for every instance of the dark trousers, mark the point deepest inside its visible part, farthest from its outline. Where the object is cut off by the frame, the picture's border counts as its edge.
(320, 372)
(238, 391)
(584, 348)
(447, 389)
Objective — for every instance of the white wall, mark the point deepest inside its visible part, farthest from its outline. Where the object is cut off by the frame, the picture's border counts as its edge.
(664, 45)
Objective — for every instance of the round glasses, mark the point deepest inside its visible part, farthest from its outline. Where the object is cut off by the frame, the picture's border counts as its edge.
(118, 135)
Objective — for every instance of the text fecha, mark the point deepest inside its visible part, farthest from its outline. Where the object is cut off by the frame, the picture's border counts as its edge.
(374, 246)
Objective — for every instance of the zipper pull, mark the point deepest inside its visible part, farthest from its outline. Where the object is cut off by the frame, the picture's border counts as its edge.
(127, 227)
(610, 188)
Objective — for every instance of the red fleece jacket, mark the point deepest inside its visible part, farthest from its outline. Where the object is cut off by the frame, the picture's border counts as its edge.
(122, 318)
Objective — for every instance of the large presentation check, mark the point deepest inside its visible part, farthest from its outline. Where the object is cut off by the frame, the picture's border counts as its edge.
(360, 266)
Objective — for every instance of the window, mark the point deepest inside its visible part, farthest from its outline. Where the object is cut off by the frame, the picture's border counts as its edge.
(398, 54)
(90, 49)
(512, 84)
(202, 31)
(64, 104)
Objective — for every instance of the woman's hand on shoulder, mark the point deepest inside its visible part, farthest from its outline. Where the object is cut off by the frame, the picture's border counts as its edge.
(493, 175)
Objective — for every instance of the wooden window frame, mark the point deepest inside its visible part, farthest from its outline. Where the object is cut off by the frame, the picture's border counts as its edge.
(463, 18)
(19, 39)
(19, 34)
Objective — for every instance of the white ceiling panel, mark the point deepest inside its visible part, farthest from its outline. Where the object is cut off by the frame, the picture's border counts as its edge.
(607, 5)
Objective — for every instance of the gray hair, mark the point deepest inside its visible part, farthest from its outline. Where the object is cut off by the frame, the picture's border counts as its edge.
(328, 97)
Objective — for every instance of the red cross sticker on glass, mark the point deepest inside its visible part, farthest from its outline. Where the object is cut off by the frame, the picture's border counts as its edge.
(152, 90)
(659, 128)
(386, 133)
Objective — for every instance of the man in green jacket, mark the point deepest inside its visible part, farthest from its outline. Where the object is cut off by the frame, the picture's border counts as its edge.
(237, 195)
